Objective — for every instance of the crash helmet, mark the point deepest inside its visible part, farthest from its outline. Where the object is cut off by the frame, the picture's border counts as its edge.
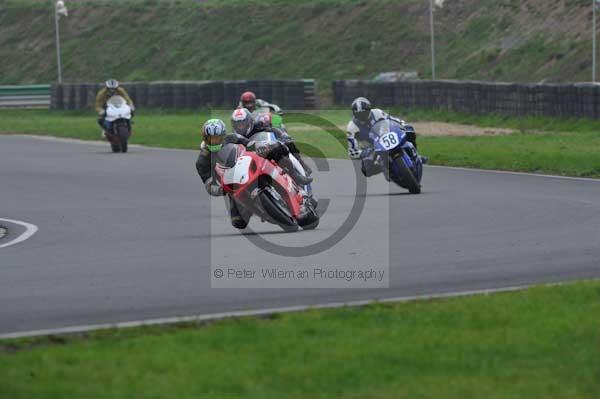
(213, 134)
(263, 121)
(361, 109)
(242, 121)
(248, 101)
(111, 85)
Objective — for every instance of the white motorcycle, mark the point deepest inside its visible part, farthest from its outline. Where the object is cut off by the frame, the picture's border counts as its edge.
(119, 114)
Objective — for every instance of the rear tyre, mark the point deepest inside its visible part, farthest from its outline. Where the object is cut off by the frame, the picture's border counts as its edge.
(115, 147)
(310, 221)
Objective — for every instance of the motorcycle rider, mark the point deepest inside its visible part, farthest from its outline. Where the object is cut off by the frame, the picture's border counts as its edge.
(360, 146)
(111, 88)
(244, 124)
(256, 106)
(214, 135)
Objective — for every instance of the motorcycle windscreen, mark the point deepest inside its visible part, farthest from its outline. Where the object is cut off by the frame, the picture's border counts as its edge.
(227, 155)
(116, 101)
(387, 135)
(240, 173)
(263, 138)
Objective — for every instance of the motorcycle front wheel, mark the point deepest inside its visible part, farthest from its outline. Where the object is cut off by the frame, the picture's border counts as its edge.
(409, 180)
(277, 210)
(123, 137)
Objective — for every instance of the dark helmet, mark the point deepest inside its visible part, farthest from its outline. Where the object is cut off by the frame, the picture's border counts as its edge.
(361, 109)
(263, 121)
(248, 100)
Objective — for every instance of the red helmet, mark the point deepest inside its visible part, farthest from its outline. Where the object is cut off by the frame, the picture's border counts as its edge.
(248, 100)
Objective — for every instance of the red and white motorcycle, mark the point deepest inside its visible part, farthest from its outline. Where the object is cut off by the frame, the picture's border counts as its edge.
(261, 187)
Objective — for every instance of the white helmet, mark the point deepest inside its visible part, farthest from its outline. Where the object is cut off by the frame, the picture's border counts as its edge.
(242, 121)
(112, 84)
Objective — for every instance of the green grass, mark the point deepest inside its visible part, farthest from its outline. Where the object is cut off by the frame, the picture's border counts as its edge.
(543, 145)
(540, 343)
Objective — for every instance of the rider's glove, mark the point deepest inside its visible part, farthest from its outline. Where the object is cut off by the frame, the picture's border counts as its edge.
(354, 153)
(213, 188)
(366, 153)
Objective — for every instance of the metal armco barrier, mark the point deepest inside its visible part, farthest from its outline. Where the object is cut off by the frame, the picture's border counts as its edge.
(288, 94)
(32, 96)
(514, 99)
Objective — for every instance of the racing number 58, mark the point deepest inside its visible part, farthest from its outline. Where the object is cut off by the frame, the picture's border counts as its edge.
(389, 140)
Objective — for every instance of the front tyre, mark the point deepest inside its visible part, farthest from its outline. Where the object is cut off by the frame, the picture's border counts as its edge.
(277, 210)
(123, 137)
(408, 178)
(115, 147)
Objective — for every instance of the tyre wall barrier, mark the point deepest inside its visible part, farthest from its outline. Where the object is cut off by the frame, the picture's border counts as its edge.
(288, 94)
(513, 99)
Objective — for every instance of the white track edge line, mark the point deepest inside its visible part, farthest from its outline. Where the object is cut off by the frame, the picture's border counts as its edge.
(30, 229)
(255, 312)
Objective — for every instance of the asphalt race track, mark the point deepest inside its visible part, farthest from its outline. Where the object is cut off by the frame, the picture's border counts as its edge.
(133, 236)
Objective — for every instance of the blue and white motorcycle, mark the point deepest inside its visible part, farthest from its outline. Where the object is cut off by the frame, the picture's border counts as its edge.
(397, 156)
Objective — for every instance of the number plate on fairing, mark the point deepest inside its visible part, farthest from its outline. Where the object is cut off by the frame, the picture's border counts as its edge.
(389, 141)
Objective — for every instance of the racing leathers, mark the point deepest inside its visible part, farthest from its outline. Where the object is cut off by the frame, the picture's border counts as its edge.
(281, 152)
(205, 166)
(360, 146)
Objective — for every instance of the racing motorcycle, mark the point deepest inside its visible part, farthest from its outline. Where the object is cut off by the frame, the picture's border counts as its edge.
(398, 157)
(119, 114)
(259, 186)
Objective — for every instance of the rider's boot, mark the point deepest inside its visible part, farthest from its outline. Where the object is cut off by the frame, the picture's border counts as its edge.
(286, 163)
(307, 168)
(237, 219)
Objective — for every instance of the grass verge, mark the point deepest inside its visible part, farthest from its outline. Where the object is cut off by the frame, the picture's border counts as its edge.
(542, 145)
(541, 342)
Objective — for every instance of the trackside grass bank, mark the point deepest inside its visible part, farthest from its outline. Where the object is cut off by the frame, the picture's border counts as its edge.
(543, 145)
(543, 342)
(508, 40)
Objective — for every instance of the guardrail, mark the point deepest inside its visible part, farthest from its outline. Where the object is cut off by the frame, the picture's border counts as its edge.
(32, 96)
